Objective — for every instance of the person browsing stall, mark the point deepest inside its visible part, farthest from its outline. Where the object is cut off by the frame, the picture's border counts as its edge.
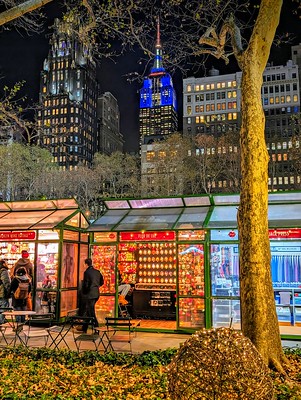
(21, 289)
(4, 287)
(92, 281)
(23, 262)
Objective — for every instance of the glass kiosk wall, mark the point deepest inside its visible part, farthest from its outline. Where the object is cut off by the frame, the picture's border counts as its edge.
(53, 233)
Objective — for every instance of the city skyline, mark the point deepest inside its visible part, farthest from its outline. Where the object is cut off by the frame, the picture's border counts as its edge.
(24, 59)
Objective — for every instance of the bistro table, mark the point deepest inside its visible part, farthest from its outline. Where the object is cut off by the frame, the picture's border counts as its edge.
(15, 324)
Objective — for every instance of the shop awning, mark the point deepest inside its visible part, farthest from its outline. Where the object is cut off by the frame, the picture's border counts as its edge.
(191, 212)
(39, 214)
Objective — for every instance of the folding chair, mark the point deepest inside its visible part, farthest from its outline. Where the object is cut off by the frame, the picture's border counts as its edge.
(58, 333)
(77, 323)
(120, 330)
(7, 333)
(37, 327)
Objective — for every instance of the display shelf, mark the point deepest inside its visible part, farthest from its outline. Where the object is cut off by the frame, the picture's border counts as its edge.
(154, 304)
(11, 251)
(157, 263)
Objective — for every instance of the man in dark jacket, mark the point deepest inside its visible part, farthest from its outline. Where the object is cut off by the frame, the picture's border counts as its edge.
(92, 281)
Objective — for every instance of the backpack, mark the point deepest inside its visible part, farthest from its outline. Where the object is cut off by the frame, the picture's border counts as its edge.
(22, 291)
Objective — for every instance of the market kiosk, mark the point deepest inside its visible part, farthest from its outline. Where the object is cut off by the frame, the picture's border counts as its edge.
(54, 234)
(182, 256)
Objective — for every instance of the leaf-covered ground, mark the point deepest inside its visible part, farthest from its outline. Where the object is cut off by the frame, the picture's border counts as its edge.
(45, 374)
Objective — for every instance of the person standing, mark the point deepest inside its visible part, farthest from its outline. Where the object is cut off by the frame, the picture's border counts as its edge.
(23, 262)
(92, 281)
(4, 287)
(20, 302)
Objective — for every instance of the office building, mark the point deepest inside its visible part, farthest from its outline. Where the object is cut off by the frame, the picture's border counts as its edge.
(158, 105)
(108, 125)
(67, 119)
(211, 105)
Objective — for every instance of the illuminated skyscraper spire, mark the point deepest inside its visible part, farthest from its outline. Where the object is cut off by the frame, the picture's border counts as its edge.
(158, 63)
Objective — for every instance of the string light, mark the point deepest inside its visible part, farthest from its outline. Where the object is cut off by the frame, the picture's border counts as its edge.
(219, 364)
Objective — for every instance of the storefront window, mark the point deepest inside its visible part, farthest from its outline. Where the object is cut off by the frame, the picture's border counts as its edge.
(104, 259)
(47, 264)
(68, 302)
(226, 312)
(46, 302)
(191, 313)
(69, 265)
(191, 269)
(224, 263)
(83, 254)
(11, 251)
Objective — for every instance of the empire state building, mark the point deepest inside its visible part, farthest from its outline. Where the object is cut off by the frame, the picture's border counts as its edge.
(158, 105)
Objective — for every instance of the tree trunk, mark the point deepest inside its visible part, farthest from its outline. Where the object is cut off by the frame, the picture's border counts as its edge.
(24, 8)
(259, 318)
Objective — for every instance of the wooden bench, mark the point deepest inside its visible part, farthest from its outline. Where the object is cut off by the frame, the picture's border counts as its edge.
(120, 330)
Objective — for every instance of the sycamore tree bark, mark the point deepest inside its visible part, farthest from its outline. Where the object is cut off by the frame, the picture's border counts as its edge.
(21, 9)
(258, 311)
(259, 318)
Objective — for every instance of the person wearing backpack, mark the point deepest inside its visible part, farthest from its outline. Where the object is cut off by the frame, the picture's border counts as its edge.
(4, 287)
(20, 288)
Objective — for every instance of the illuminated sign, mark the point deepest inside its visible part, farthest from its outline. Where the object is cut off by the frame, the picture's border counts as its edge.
(17, 235)
(105, 237)
(285, 233)
(147, 236)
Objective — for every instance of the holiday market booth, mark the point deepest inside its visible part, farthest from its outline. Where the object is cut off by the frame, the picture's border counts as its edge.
(53, 232)
(181, 257)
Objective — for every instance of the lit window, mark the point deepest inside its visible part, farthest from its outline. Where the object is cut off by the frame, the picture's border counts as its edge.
(188, 88)
(212, 86)
(271, 100)
(229, 84)
(208, 86)
(197, 88)
(288, 98)
(234, 115)
(295, 98)
(202, 87)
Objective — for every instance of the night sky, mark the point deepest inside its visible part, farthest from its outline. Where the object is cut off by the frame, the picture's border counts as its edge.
(22, 59)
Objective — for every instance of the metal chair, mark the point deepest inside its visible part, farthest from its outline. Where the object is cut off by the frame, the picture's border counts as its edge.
(7, 333)
(37, 327)
(58, 333)
(77, 324)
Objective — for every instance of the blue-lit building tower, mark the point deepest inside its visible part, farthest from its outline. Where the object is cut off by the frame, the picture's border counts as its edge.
(158, 105)
(67, 118)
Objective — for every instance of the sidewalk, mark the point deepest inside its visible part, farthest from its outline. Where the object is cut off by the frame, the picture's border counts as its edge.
(143, 341)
